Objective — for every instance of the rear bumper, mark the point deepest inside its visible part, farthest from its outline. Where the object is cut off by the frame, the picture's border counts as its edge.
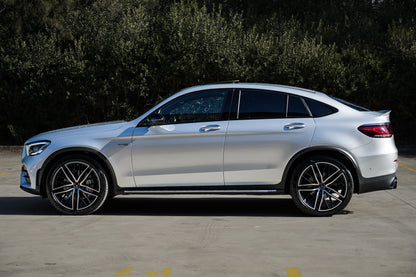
(386, 182)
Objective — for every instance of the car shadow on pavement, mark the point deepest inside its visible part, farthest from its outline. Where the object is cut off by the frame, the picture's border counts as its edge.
(210, 206)
(164, 206)
(26, 206)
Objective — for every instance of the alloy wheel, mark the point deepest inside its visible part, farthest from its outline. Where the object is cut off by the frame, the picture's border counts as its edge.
(75, 185)
(322, 186)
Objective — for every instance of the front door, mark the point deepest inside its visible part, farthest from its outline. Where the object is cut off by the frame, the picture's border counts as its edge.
(185, 147)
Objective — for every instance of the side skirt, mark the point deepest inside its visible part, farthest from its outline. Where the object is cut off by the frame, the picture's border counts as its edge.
(250, 190)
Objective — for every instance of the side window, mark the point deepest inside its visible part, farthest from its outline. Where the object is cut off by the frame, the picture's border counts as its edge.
(257, 104)
(195, 107)
(318, 108)
(296, 108)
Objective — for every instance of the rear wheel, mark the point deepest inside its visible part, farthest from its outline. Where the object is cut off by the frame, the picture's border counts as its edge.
(321, 186)
(77, 185)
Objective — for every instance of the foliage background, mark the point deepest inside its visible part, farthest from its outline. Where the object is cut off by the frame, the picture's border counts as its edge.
(72, 62)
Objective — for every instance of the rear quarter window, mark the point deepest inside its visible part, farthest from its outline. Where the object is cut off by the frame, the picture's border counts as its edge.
(319, 109)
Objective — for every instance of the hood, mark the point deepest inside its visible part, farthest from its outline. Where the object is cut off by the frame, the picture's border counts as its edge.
(79, 130)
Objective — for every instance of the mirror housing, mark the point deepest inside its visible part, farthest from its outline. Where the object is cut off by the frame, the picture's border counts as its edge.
(155, 119)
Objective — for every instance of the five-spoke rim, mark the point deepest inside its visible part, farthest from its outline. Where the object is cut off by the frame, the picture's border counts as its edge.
(322, 186)
(75, 185)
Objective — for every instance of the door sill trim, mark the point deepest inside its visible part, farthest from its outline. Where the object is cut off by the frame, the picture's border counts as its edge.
(223, 191)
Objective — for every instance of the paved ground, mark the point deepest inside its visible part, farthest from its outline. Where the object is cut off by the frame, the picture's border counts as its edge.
(207, 236)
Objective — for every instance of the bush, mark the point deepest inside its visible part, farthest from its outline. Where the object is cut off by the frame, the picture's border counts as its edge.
(69, 62)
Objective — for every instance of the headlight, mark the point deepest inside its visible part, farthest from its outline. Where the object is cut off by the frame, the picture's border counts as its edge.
(36, 148)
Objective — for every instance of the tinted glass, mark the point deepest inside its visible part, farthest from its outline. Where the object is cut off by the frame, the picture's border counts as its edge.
(195, 107)
(318, 108)
(257, 104)
(296, 108)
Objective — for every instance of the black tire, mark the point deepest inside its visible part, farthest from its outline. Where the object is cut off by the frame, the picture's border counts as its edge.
(321, 186)
(77, 185)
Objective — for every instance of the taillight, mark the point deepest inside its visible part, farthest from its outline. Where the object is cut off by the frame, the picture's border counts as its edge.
(383, 130)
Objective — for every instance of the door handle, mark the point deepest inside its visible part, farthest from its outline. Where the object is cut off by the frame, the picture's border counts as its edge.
(210, 128)
(294, 126)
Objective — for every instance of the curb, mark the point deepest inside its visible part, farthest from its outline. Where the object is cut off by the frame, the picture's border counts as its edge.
(407, 151)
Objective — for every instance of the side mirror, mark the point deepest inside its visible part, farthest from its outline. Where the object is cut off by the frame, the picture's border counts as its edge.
(155, 119)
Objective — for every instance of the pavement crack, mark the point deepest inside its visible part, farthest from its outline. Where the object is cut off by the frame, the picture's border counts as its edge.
(401, 199)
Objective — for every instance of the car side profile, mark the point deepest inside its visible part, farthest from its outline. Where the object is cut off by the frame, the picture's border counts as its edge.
(229, 138)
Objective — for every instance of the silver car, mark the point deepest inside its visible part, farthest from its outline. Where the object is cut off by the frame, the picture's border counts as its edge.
(230, 138)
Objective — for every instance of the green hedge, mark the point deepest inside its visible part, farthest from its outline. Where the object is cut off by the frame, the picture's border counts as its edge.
(65, 63)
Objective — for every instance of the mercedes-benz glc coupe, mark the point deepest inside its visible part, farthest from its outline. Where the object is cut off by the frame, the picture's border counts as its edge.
(230, 138)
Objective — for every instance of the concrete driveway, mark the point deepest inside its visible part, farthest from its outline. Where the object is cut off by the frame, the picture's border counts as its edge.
(208, 236)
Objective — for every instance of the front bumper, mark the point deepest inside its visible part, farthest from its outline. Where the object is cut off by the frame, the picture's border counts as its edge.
(29, 190)
(25, 182)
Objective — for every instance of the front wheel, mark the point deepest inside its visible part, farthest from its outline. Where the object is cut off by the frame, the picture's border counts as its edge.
(321, 186)
(77, 185)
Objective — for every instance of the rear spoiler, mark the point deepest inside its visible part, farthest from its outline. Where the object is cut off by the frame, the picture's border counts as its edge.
(384, 114)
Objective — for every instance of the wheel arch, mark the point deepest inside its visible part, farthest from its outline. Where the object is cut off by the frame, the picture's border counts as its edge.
(336, 153)
(94, 154)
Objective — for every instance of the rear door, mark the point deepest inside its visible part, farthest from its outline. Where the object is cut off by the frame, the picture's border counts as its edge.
(265, 130)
